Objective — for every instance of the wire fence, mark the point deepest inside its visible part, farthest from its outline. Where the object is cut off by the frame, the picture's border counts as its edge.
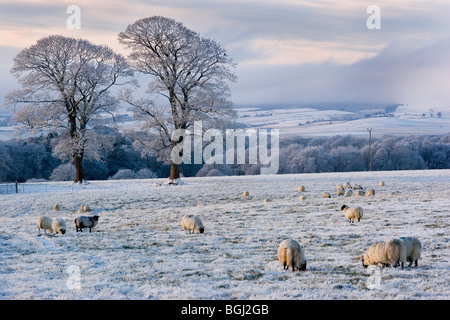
(8, 188)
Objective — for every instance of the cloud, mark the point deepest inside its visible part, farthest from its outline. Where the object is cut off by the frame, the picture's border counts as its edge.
(286, 50)
(398, 74)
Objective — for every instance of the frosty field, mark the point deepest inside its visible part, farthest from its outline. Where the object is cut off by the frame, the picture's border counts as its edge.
(139, 250)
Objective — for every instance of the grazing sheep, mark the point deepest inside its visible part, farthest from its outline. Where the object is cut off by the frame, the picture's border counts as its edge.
(84, 208)
(192, 223)
(340, 192)
(370, 192)
(412, 249)
(291, 254)
(326, 195)
(302, 198)
(381, 184)
(391, 252)
(352, 214)
(347, 185)
(357, 187)
(56, 207)
(267, 200)
(246, 194)
(59, 225)
(348, 193)
(45, 223)
(339, 187)
(301, 188)
(359, 193)
(82, 222)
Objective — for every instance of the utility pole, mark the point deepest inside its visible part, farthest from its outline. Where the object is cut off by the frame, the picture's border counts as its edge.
(370, 148)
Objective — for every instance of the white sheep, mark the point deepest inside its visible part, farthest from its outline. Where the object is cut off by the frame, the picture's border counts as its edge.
(339, 187)
(357, 187)
(326, 195)
(193, 223)
(291, 254)
(348, 193)
(302, 198)
(352, 214)
(45, 223)
(412, 249)
(245, 194)
(82, 222)
(347, 185)
(340, 192)
(301, 188)
(59, 225)
(381, 183)
(370, 192)
(391, 252)
(56, 207)
(359, 193)
(84, 208)
(267, 200)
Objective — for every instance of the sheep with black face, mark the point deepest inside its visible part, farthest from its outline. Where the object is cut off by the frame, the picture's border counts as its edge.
(82, 222)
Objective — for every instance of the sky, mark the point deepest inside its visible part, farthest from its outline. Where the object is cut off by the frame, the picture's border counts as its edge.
(286, 51)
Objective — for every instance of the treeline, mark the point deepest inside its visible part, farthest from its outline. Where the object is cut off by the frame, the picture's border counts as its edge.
(33, 159)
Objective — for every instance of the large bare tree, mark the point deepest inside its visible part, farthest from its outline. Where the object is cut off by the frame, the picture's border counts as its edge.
(188, 72)
(66, 84)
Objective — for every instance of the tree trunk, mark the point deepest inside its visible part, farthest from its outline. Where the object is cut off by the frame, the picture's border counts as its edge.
(79, 171)
(174, 173)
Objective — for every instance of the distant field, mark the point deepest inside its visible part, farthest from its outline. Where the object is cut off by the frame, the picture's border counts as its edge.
(309, 122)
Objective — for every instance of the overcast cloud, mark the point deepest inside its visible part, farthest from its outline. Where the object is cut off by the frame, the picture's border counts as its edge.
(288, 51)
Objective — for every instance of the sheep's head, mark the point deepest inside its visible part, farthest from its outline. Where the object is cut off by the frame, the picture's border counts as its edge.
(363, 262)
(63, 231)
(343, 207)
(201, 229)
(95, 218)
(302, 267)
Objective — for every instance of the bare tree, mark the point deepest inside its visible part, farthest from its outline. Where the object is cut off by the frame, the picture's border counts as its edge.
(187, 71)
(65, 85)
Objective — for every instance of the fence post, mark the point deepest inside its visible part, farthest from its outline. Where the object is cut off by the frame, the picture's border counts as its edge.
(17, 187)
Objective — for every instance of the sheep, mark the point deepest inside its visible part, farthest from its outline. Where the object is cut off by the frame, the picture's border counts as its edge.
(326, 195)
(245, 194)
(339, 187)
(302, 198)
(347, 185)
(359, 193)
(391, 252)
(301, 188)
(56, 207)
(59, 225)
(84, 208)
(370, 192)
(381, 183)
(412, 249)
(267, 200)
(357, 187)
(348, 193)
(291, 254)
(340, 192)
(193, 223)
(82, 222)
(352, 214)
(45, 223)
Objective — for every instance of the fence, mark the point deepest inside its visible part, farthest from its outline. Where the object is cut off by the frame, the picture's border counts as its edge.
(8, 188)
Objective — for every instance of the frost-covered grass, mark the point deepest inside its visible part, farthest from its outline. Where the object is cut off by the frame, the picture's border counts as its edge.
(139, 250)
